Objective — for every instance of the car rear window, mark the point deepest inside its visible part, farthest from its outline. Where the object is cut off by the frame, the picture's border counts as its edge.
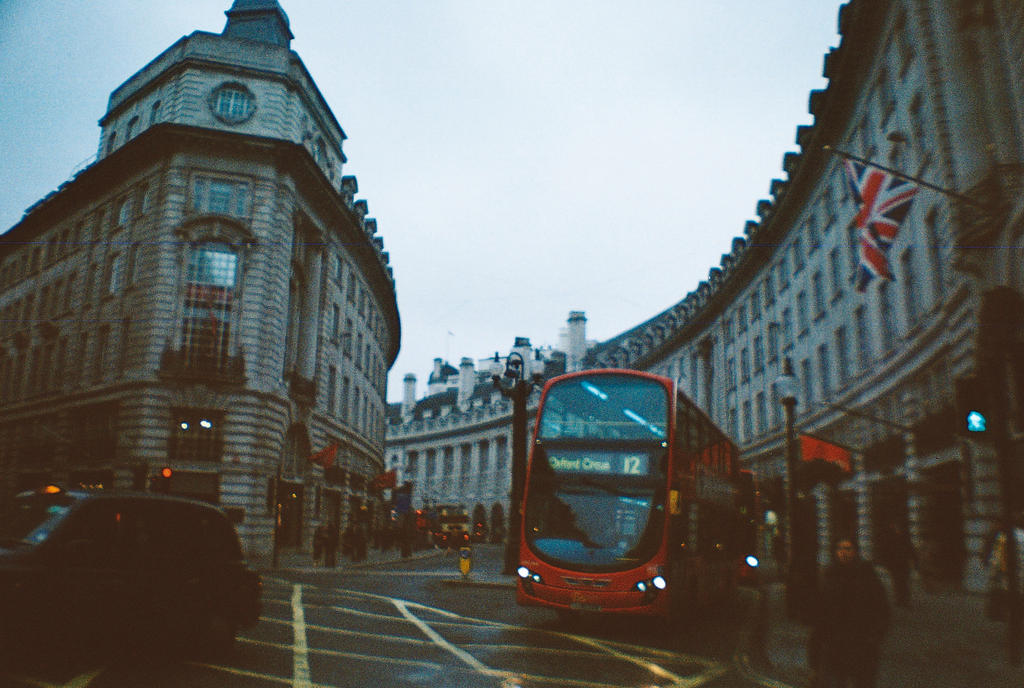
(186, 530)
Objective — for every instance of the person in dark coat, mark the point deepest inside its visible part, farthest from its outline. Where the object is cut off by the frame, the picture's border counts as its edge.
(899, 557)
(319, 540)
(331, 545)
(849, 623)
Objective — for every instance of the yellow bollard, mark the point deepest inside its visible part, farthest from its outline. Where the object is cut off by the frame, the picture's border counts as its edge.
(465, 560)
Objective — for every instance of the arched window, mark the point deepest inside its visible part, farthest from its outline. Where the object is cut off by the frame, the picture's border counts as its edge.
(209, 291)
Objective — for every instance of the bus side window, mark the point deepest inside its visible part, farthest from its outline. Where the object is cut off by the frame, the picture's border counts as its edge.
(680, 525)
(692, 529)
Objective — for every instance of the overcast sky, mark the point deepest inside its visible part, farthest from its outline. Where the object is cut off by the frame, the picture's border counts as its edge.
(523, 159)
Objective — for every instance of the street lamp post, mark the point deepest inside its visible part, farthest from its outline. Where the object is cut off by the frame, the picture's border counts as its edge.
(512, 384)
(785, 386)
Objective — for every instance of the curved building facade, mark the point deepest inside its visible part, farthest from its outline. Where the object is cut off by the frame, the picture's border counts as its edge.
(208, 296)
(931, 90)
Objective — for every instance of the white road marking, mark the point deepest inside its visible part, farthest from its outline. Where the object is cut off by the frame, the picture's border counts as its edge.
(467, 658)
(641, 656)
(330, 630)
(80, 681)
(300, 651)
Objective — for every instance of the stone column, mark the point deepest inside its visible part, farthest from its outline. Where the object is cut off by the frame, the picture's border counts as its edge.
(309, 332)
(862, 494)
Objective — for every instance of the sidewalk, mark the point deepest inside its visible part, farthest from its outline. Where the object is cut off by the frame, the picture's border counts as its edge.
(483, 572)
(943, 640)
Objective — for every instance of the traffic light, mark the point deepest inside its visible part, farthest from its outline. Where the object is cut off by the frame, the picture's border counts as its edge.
(161, 482)
(974, 411)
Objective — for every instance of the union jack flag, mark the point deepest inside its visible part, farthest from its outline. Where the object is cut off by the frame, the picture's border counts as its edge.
(884, 201)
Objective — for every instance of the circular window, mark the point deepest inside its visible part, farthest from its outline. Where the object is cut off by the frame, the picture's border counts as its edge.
(232, 103)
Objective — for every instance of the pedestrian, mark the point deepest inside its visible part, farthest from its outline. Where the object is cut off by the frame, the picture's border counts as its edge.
(331, 544)
(849, 622)
(998, 598)
(348, 542)
(319, 538)
(899, 557)
(360, 542)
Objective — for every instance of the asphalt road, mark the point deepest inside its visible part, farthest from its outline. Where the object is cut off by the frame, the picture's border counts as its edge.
(418, 623)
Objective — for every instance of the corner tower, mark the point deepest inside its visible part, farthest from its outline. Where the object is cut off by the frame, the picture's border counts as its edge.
(259, 20)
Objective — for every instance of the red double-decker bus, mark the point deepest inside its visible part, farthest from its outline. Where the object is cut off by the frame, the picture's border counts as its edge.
(633, 501)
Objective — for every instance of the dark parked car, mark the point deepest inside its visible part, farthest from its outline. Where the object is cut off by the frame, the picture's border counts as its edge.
(105, 568)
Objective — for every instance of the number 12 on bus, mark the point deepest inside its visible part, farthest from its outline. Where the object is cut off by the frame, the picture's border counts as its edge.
(633, 503)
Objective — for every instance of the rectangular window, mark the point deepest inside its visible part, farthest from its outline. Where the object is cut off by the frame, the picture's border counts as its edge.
(220, 197)
(209, 290)
(197, 436)
(748, 421)
(803, 319)
(910, 287)
(798, 254)
(758, 353)
(842, 356)
(787, 327)
(346, 338)
(824, 370)
(115, 273)
(332, 389)
(761, 413)
(808, 381)
(818, 285)
(836, 267)
(887, 315)
(864, 353)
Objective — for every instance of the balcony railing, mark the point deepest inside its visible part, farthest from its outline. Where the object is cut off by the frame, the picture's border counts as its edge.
(201, 366)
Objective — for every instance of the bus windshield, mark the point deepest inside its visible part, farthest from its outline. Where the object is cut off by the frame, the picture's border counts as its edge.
(605, 407)
(595, 508)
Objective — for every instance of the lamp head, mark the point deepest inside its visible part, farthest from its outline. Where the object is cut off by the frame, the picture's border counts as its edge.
(785, 383)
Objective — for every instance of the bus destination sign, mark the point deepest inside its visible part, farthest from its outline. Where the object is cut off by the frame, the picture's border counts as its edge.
(605, 463)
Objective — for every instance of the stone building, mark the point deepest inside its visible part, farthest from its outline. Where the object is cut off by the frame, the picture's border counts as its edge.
(929, 88)
(454, 444)
(208, 296)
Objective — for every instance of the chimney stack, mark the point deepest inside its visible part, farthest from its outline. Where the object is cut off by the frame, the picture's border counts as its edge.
(577, 341)
(467, 380)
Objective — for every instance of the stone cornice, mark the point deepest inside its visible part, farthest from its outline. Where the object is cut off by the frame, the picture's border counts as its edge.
(846, 68)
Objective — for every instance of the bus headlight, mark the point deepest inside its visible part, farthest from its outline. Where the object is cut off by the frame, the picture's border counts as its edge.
(529, 576)
(651, 586)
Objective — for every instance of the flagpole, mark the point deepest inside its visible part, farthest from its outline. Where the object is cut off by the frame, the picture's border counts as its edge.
(910, 178)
